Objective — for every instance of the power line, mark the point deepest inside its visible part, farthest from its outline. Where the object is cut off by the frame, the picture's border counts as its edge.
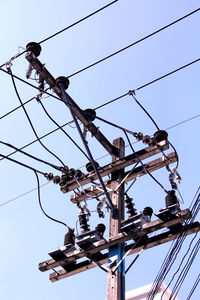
(31, 156)
(59, 127)
(134, 43)
(39, 199)
(4, 203)
(29, 120)
(194, 287)
(106, 103)
(64, 29)
(23, 165)
(149, 83)
(77, 22)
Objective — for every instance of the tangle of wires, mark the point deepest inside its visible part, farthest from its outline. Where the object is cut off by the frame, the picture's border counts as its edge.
(173, 253)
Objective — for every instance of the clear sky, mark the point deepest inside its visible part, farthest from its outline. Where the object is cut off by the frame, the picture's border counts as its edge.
(26, 234)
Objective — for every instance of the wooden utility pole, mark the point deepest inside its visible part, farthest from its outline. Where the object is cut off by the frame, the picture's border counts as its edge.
(71, 259)
(116, 280)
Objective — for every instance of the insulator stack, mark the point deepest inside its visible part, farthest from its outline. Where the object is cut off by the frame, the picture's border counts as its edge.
(171, 199)
(148, 211)
(130, 206)
(100, 228)
(83, 221)
(69, 238)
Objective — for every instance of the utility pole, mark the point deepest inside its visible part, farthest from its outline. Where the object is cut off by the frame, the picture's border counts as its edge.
(116, 280)
(74, 260)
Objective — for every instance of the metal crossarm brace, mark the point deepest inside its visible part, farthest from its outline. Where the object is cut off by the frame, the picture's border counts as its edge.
(119, 238)
(152, 242)
(151, 166)
(39, 67)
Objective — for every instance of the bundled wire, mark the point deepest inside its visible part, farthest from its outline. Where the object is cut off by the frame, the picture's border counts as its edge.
(173, 251)
(194, 287)
(185, 270)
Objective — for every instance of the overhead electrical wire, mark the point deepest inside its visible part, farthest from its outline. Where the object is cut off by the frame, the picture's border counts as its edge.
(29, 120)
(174, 250)
(104, 104)
(143, 164)
(60, 127)
(197, 281)
(134, 43)
(66, 28)
(179, 266)
(31, 156)
(67, 101)
(79, 21)
(39, 198)
(22, 164)
(185, 270)
(157, 127)
(178, 124)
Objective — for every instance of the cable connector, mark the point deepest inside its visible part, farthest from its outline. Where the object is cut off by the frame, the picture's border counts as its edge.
(131, 92)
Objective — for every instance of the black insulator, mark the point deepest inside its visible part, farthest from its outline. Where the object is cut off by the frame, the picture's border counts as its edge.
(146, 139)
(64, 80)
(148, 211)
(160, 136)
(69, 237)
(139, 136)
(78, 174)
(171, 199)
(100, 228)
(34, 47)
(72, 171)
(56, 179)
(130, 206)
(83, 221)
(65, 169)
(89, 166)
(90, 114)
(49, 176)
(64, 179)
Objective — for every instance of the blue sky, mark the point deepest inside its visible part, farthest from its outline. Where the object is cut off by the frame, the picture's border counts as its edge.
(26, 234)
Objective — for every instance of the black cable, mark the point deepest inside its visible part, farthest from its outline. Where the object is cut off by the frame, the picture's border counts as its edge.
(168, 74)
(39, 198)
(134, 43)
(67, 102)
(143, 164)
(178, 269)
(110, 101)
(31, 156)
(146, 112)
(193, 287)
(77, 22)
(154, 122)
(29, 120)
(23, 165)
(185, 270)
(59, 127)
(28, 83)
(117, 126)
(149, 83)
(175, 249)
(14, 109)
